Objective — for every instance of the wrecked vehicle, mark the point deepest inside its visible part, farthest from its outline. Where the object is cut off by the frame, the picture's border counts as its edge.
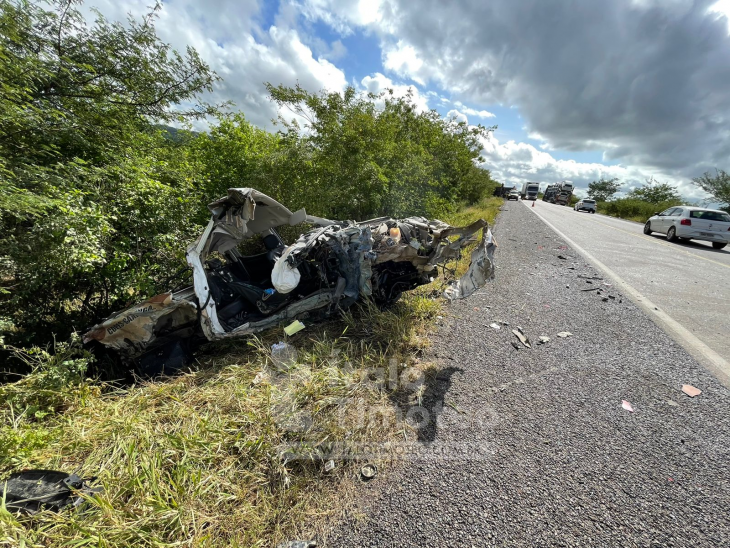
(327, 269)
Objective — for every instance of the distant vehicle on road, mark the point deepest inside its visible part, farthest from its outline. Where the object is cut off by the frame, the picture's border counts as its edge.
(692, 223)
(529, 191)
(586, 205)
(514, 194)
(559, 193)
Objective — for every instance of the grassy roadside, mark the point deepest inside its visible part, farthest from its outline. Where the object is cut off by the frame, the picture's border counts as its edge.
(197, 460)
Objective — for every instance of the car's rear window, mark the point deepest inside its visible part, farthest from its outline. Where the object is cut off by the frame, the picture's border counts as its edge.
(589, 201)
(710, 216)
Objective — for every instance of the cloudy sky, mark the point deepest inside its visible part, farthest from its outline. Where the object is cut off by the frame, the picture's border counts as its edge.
(579, 89)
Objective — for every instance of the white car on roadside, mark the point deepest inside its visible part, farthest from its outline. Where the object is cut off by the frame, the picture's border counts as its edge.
(588, 205)
(692, 223)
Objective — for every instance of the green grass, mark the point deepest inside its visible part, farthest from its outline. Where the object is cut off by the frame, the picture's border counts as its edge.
(195, 460)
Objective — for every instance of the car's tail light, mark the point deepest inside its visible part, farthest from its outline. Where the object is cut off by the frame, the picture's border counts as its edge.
(686, 222)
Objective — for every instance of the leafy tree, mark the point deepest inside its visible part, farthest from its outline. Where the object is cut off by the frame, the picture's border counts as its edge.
(366, 155)
(655, 193)
(717, 185)
(603, 189)
(92, 194)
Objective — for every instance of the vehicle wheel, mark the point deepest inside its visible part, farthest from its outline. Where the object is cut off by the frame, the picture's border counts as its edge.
(647, 228)
(672, 234)
(593, 211)
(718, 245)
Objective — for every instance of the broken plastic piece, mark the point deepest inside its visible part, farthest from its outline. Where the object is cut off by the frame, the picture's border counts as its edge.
(31, 491)
(329, 465)
(564, 334)
(690, 390)
(283, 355)
(543, 339)
(626, 405)
(295, 327)
(495, 326)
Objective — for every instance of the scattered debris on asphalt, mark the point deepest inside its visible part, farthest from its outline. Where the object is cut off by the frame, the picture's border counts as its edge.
(690, 390)
(517, 346)
(562, 257)
(565, 334)
(543, 339)
(368, 471)
(591, 289)
(32, 491)
(521, 335)
(495, 326)
(626, 405)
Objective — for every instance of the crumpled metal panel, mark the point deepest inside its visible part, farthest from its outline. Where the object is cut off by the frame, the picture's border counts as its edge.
(135, 328)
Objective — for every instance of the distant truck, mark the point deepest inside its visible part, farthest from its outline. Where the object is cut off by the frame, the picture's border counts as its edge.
(559, 193)
(529, 191)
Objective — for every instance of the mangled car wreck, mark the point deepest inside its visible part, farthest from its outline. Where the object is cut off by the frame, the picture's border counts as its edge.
(327, 269)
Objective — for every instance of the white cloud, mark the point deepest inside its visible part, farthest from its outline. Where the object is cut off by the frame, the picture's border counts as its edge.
(404, 61)
(513, 163)
(378, 82)
(457, 116)
(226, 35)
(473, 112)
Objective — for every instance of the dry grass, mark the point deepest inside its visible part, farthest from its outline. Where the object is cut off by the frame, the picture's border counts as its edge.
(197, 460)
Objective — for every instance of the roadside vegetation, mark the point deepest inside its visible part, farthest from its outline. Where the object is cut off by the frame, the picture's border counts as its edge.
(638, 205)
(98, 198)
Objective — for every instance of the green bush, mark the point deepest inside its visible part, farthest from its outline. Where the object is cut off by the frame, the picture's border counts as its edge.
(633, 209)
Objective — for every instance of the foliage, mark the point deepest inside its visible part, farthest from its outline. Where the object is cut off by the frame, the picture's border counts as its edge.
(366, 155)
(603, 189)
(633, 209)
(717, 185)
(655, 193)
(93, 199)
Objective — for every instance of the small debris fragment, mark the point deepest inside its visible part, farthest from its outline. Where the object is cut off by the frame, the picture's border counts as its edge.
(295, 327)
(607, 284)
(517, 346)
(672, 403)
(495, 326)
(562, 257)
(297, 544)
(567, 286)
(368, 471)
(544, 339)
(329, 466)
(690, 390)
(520, 335)
(605, 299)
(612, 297)
(591, 289)
(259, 378)
(564, 334)
(626, 405)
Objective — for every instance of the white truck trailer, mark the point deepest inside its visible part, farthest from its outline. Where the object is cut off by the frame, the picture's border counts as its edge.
(529, 191)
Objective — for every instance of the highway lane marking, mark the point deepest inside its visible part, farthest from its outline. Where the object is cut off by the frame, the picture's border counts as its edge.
(651, 239)
(711, 360)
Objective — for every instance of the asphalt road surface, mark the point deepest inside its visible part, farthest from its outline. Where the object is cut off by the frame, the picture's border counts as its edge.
(532, 446)
(688, 281)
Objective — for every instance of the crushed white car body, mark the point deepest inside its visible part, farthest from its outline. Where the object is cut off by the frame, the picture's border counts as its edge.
(328, 268)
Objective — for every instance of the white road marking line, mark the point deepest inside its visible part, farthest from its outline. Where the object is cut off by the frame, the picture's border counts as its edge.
(706, 356)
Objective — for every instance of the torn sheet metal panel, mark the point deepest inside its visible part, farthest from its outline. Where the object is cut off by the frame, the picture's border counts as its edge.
(481, 269)
(328, 268)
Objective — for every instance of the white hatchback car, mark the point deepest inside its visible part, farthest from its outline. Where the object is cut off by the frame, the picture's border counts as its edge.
(692, 223)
